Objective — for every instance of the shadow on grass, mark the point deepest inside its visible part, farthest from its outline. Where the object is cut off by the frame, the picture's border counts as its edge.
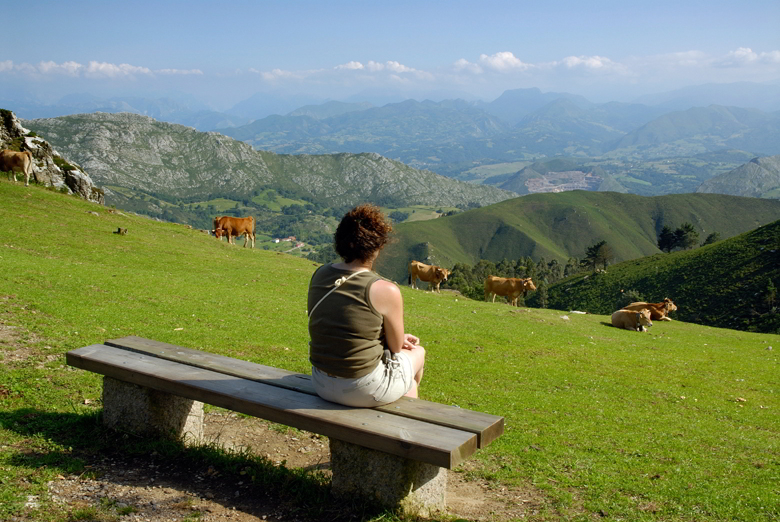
(79, 444)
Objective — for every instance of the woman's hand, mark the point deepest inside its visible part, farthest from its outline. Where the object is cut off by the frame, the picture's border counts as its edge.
(410, 342)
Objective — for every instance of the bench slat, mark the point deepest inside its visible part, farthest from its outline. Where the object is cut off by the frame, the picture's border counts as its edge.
(408, 438)
(487, 427)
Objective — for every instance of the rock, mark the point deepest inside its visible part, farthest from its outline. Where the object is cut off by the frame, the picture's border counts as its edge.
(49, 168)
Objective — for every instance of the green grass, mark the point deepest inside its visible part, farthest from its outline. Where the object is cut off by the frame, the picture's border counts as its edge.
(679, 424)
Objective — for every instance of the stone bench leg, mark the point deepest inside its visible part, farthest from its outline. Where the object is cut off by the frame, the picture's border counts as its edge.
(140, 410)
(405, 485)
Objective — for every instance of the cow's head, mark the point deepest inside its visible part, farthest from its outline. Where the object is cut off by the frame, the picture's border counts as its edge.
(643, 318)
(441, 273)
(669, 305)
(529, 285)
(218, 232)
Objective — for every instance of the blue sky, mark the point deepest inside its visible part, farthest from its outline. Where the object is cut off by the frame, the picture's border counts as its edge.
(220, 53)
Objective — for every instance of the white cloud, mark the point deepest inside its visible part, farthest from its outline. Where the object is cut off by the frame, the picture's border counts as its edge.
(281, 74)
(350, 65)
(68, 68)
(684, 59)
(588, 62)
(373, 66)
(110, 70)
(740, 57)
(399, 79)
(397, 67)
(745, 56)
(93, 69)
(465, 65)
(180, 71)
(503, 61)
(772, 57)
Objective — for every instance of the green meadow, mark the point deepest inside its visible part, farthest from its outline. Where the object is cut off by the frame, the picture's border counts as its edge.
(678, 424)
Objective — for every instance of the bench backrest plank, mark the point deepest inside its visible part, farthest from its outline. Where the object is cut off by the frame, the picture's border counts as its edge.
(487, 427)
(394, 434)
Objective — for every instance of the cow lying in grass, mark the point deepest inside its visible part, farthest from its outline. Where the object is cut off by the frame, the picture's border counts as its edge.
(658, 311)
(632, 320)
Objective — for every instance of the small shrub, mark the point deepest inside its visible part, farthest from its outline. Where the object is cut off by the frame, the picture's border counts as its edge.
(62, 164)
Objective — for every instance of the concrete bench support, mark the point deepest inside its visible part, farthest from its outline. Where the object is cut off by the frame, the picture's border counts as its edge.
(409, 486)
(144, 411)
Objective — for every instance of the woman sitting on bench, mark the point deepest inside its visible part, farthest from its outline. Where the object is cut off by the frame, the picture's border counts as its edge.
(359, 352)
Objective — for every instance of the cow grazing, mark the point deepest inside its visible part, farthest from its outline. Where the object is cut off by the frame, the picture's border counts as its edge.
(13, 162)
(431, 274)
(632, 320)
(658, 311)
(509, 287)
(234, 227)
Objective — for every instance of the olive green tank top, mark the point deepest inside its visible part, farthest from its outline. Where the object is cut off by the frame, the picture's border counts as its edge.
(345, 331)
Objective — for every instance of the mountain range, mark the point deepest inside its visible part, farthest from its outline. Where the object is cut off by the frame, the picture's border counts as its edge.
(175, 163)
(451, 137)
(668, 143)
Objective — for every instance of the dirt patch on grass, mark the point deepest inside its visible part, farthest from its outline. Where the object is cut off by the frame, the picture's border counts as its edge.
(148, 489)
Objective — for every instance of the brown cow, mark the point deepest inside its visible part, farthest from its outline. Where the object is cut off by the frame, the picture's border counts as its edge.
(510, 287)
(13, 162)
(658, 311)
(632, 320)
(235, 227)
(431, 274)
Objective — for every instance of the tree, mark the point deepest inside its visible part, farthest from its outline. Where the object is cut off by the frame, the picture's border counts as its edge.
(666, 239)
(556, 270)
(686, 236)
(543, 297)
(771, 294)
(530, 268)
(397, 216)
(712, 238)
(572, 267)
(598, 254)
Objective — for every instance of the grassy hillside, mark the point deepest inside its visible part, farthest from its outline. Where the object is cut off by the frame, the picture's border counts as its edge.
(679, 424)
(724, 284)
(563, 225)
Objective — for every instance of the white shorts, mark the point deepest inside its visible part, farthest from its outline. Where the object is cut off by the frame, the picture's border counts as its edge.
(387, 383)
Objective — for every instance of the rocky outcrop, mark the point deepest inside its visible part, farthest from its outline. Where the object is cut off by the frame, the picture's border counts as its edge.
(49, 168)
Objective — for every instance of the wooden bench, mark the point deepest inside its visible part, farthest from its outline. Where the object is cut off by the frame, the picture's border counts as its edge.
(394, 454)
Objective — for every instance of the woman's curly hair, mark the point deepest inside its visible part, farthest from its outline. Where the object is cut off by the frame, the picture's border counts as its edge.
(361, 232)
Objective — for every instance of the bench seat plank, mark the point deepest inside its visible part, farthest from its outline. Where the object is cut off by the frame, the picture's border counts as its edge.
(487, 427)
(394, 434)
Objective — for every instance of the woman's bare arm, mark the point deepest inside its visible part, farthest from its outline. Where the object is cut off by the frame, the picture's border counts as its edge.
(386, 299)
